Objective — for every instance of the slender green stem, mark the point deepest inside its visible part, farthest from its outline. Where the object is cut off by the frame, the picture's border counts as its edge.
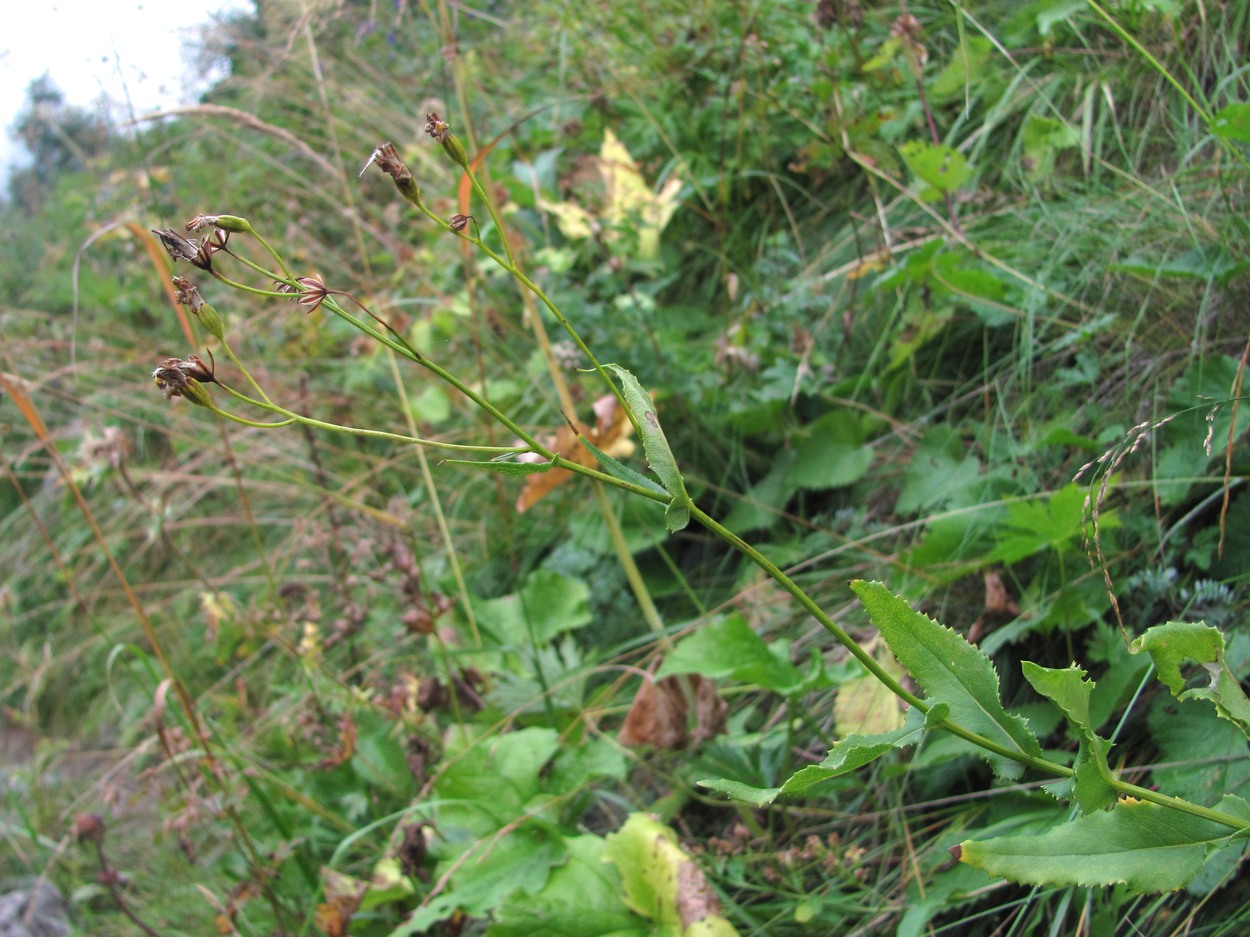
(1184, 806)
(225, 346)
(444, 532)
(632, 573)
(510, 265)
(292, 417)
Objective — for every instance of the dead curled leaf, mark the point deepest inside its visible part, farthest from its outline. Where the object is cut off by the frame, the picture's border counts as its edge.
(343, 895)
(1000, 607)
(695, 899)
(658, 715)
(610, 435)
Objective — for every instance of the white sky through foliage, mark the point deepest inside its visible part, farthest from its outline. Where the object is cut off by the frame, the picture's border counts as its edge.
(96, 49)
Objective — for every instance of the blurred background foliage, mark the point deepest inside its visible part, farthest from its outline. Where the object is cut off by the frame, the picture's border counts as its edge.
(928, 262)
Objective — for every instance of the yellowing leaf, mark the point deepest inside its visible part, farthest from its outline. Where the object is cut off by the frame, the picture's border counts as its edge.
(865, 706)
(630, 200)
(574, 221)
(629, 203)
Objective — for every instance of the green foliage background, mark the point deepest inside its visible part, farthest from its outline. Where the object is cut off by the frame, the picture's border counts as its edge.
(947, 297)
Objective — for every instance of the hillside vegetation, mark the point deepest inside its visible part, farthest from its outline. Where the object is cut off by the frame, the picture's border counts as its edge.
(761, 468)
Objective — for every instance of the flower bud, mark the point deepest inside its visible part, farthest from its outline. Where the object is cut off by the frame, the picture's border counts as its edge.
(234, 224)
(88, 828)
(211, 320)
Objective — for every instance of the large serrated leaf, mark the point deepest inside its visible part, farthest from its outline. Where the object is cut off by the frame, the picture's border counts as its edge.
(655, 445)
(1148, 847)
(1189, 657)
(1070, 691)
(951, 671)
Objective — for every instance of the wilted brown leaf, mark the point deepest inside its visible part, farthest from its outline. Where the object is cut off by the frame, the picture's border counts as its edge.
(1000, 607)
(710, 711)
(695, 899)
(658, 714)
(343, 894)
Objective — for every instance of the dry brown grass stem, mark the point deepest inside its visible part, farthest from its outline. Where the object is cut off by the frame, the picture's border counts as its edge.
(243, 119)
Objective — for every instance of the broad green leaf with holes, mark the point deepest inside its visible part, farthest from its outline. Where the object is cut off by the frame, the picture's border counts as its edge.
(942, 169)
(1233, 123)
(1190, 660)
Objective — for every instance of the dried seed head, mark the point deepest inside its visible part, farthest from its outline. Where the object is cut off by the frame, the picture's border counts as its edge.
(387, 159)
(439, 129)
(458, 223)
(88, 828)
(186, 294)
(195, 253)
(313, 292)
(906, 26)
(436, 127)
(185, 378)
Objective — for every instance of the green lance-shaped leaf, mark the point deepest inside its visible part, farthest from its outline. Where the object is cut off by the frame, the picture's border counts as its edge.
(1146, 846)
(618, 469)
(1177, 647)
(506, 468)
(952, 672)
(845, 756)
(1070, 691)
(655, 445)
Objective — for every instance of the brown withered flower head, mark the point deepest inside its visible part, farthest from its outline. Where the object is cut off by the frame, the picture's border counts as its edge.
(197, 253)
(458, 223)
(387, 159)
(439, 129)
(436, 127)
(310, 292)
(178, 377)
(185, 294)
